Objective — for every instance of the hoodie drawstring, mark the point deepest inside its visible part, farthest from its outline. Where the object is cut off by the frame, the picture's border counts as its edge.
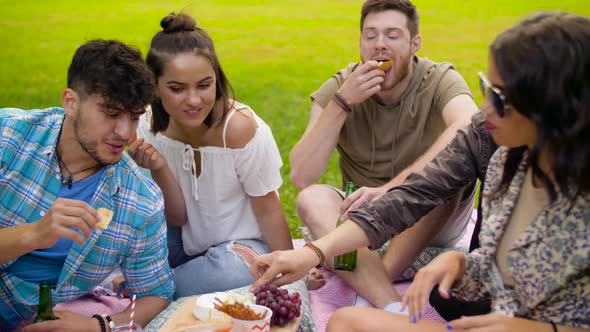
(373, 138)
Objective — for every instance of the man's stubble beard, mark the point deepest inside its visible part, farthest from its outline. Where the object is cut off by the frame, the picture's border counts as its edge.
(86, 143)
(403, 72)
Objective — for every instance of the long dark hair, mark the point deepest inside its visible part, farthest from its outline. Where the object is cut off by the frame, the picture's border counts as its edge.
(544, 62)
(180, 35)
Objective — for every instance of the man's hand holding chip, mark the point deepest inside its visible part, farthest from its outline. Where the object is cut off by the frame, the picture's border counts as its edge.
(62, 220)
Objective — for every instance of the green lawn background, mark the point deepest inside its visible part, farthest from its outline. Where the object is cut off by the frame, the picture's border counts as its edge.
(275, 52)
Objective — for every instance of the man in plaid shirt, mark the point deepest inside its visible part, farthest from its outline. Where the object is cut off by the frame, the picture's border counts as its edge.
(57, 166)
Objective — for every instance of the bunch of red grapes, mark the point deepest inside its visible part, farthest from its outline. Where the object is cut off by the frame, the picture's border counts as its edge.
(284, 306)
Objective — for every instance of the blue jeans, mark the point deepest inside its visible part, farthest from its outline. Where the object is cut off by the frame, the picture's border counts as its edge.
(218, 269)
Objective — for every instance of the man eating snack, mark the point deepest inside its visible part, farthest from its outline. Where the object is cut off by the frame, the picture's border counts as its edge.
(57, 166)
(385, 122)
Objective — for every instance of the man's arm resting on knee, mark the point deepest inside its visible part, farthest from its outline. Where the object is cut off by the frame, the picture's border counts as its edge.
(309, 157)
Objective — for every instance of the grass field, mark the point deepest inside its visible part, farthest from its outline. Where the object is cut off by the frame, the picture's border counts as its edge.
(275, 52)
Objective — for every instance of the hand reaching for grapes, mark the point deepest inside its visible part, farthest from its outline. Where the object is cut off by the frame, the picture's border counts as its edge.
(282, 267)
(284, 306)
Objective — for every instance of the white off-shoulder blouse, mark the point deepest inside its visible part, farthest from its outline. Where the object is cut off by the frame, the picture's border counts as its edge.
(217, 201)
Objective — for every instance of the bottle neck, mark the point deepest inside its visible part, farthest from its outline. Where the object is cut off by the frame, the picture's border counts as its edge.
(45, 299)
(45, 303)
(350, 188)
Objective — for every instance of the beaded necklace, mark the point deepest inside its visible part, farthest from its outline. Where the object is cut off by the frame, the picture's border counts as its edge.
(68, 180)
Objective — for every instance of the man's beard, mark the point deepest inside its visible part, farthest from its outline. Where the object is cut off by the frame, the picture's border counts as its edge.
(402, 71)
(85, 142)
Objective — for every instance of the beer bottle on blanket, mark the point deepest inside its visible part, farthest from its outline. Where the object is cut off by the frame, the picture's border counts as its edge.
(45, 304)
(346, 262)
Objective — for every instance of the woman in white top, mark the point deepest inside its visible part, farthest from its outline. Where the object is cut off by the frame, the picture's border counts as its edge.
(215, 160)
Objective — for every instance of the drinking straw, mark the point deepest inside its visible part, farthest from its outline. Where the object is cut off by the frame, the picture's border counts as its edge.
(132, 314)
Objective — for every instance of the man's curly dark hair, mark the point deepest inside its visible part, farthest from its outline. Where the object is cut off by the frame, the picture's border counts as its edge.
(114, 70)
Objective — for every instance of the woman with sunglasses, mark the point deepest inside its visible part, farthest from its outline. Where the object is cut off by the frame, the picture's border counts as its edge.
(534, 259)
(535, 254)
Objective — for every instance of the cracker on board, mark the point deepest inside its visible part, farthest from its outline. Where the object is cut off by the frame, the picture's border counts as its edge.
(106, 216)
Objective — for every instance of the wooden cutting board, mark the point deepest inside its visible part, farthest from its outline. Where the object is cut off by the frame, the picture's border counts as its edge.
(184, 317)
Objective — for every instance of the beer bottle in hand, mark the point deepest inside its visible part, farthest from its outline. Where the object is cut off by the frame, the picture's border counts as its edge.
(45, 304)
(346, 262)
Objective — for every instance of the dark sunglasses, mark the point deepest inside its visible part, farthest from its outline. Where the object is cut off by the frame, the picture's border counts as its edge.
(497, 96)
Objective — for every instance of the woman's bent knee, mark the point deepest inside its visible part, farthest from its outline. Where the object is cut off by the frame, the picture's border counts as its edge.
(342, 320)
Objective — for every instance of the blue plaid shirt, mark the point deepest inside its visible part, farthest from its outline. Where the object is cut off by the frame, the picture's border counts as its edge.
(135, 240)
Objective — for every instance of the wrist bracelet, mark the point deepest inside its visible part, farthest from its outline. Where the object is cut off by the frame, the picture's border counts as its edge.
(110, 320)
(340, 101)
(103, 327)
(553, 326)
(318, 252)
(337, 102)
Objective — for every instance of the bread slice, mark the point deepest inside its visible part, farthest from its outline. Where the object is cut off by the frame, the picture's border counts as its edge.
(106, 216)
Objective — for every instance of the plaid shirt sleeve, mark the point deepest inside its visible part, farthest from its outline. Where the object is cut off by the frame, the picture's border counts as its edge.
(135, 240)
(145, 265)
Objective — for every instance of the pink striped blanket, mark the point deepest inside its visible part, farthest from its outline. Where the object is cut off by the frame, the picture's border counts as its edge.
(336, 294)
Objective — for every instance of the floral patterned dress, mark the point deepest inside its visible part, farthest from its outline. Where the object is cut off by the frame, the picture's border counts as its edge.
(549, 263)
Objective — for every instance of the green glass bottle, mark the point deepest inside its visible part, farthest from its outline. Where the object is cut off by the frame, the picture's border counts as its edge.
(346, 262)
(45, 311)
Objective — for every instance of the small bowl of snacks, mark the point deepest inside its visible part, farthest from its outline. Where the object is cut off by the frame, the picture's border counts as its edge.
(248, 317)
(205, 310)
(219, 327)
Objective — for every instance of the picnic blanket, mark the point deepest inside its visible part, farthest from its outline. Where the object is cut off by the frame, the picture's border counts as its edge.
(94, 303)
(324, 301)
(336, 293)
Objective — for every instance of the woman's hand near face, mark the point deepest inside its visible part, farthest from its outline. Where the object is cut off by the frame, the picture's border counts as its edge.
(444, 270)
(146, 155)
(282, 267)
